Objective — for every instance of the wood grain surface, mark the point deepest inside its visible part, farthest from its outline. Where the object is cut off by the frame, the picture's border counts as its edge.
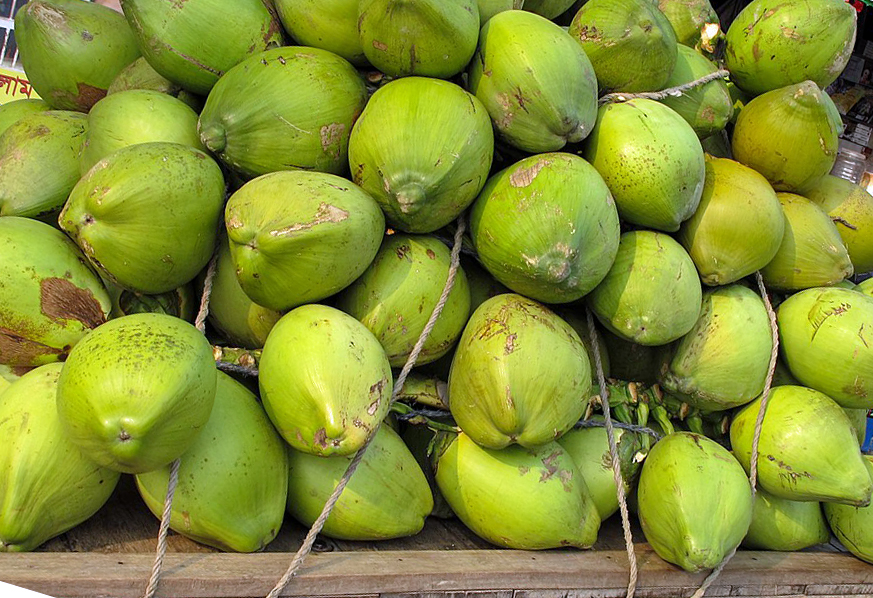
(111, 556)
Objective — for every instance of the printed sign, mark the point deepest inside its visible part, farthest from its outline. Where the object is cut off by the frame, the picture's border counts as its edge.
(14, 86)
(10, 591)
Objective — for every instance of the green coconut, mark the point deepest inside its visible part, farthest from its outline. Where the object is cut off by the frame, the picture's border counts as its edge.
(516, 497)
(395, 297)
(135, 393)
(807, 448)
(631, 43)
(49, 296)
(771, 44)
(388, 497)
(865, 287)
(72, 50)
(550, 9)
(694, 22)
(825, 341)
(232, 313)
(852, 525)
(172, 36)
(652, 161)
(298, 237)
(327, 24)
(47, 486)
(812, 253)
(707, 108)
(546, 227)
(850, 206)
(325, 380)
(422, 148)
(738, 226)
(12, 112)
(723, 360)
(790, 135)
(652, 294)
(139, 74)
(136, 116)
(785, 525)
(427, 38)
(694, 501)
(520, 374)
(589, 449)
(535, 81)
(489, 8)
(147, 215)
(283, 109)
(39, 157)
(233, 481)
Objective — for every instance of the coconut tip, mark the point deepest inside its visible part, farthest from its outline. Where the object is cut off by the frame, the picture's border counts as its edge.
(214, 137)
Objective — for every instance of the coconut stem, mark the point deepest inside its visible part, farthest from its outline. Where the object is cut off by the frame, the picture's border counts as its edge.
(214, 137)
(423, 417)
(611, 98)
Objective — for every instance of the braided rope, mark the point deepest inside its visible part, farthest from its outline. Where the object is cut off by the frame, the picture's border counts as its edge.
(164, 530)
(759, 424)
(616, 464)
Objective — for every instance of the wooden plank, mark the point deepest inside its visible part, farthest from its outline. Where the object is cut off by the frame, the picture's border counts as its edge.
(217, 575)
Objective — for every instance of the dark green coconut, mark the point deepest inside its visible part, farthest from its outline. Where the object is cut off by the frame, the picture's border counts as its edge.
(422, 148)
(395, 297)
(695, 23)
(72, 50)
(771, 43)
(298, 237)
(147, 215)
(652, 161)
(535, 81)
(631, 43)
(546, 227)
(427, 38)
(327, 24)
(707, 108)
(50, 298)
(39, 156)
(137, 116)
(139, 74)
(284, 109)
(193, 43)
(652, 294)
